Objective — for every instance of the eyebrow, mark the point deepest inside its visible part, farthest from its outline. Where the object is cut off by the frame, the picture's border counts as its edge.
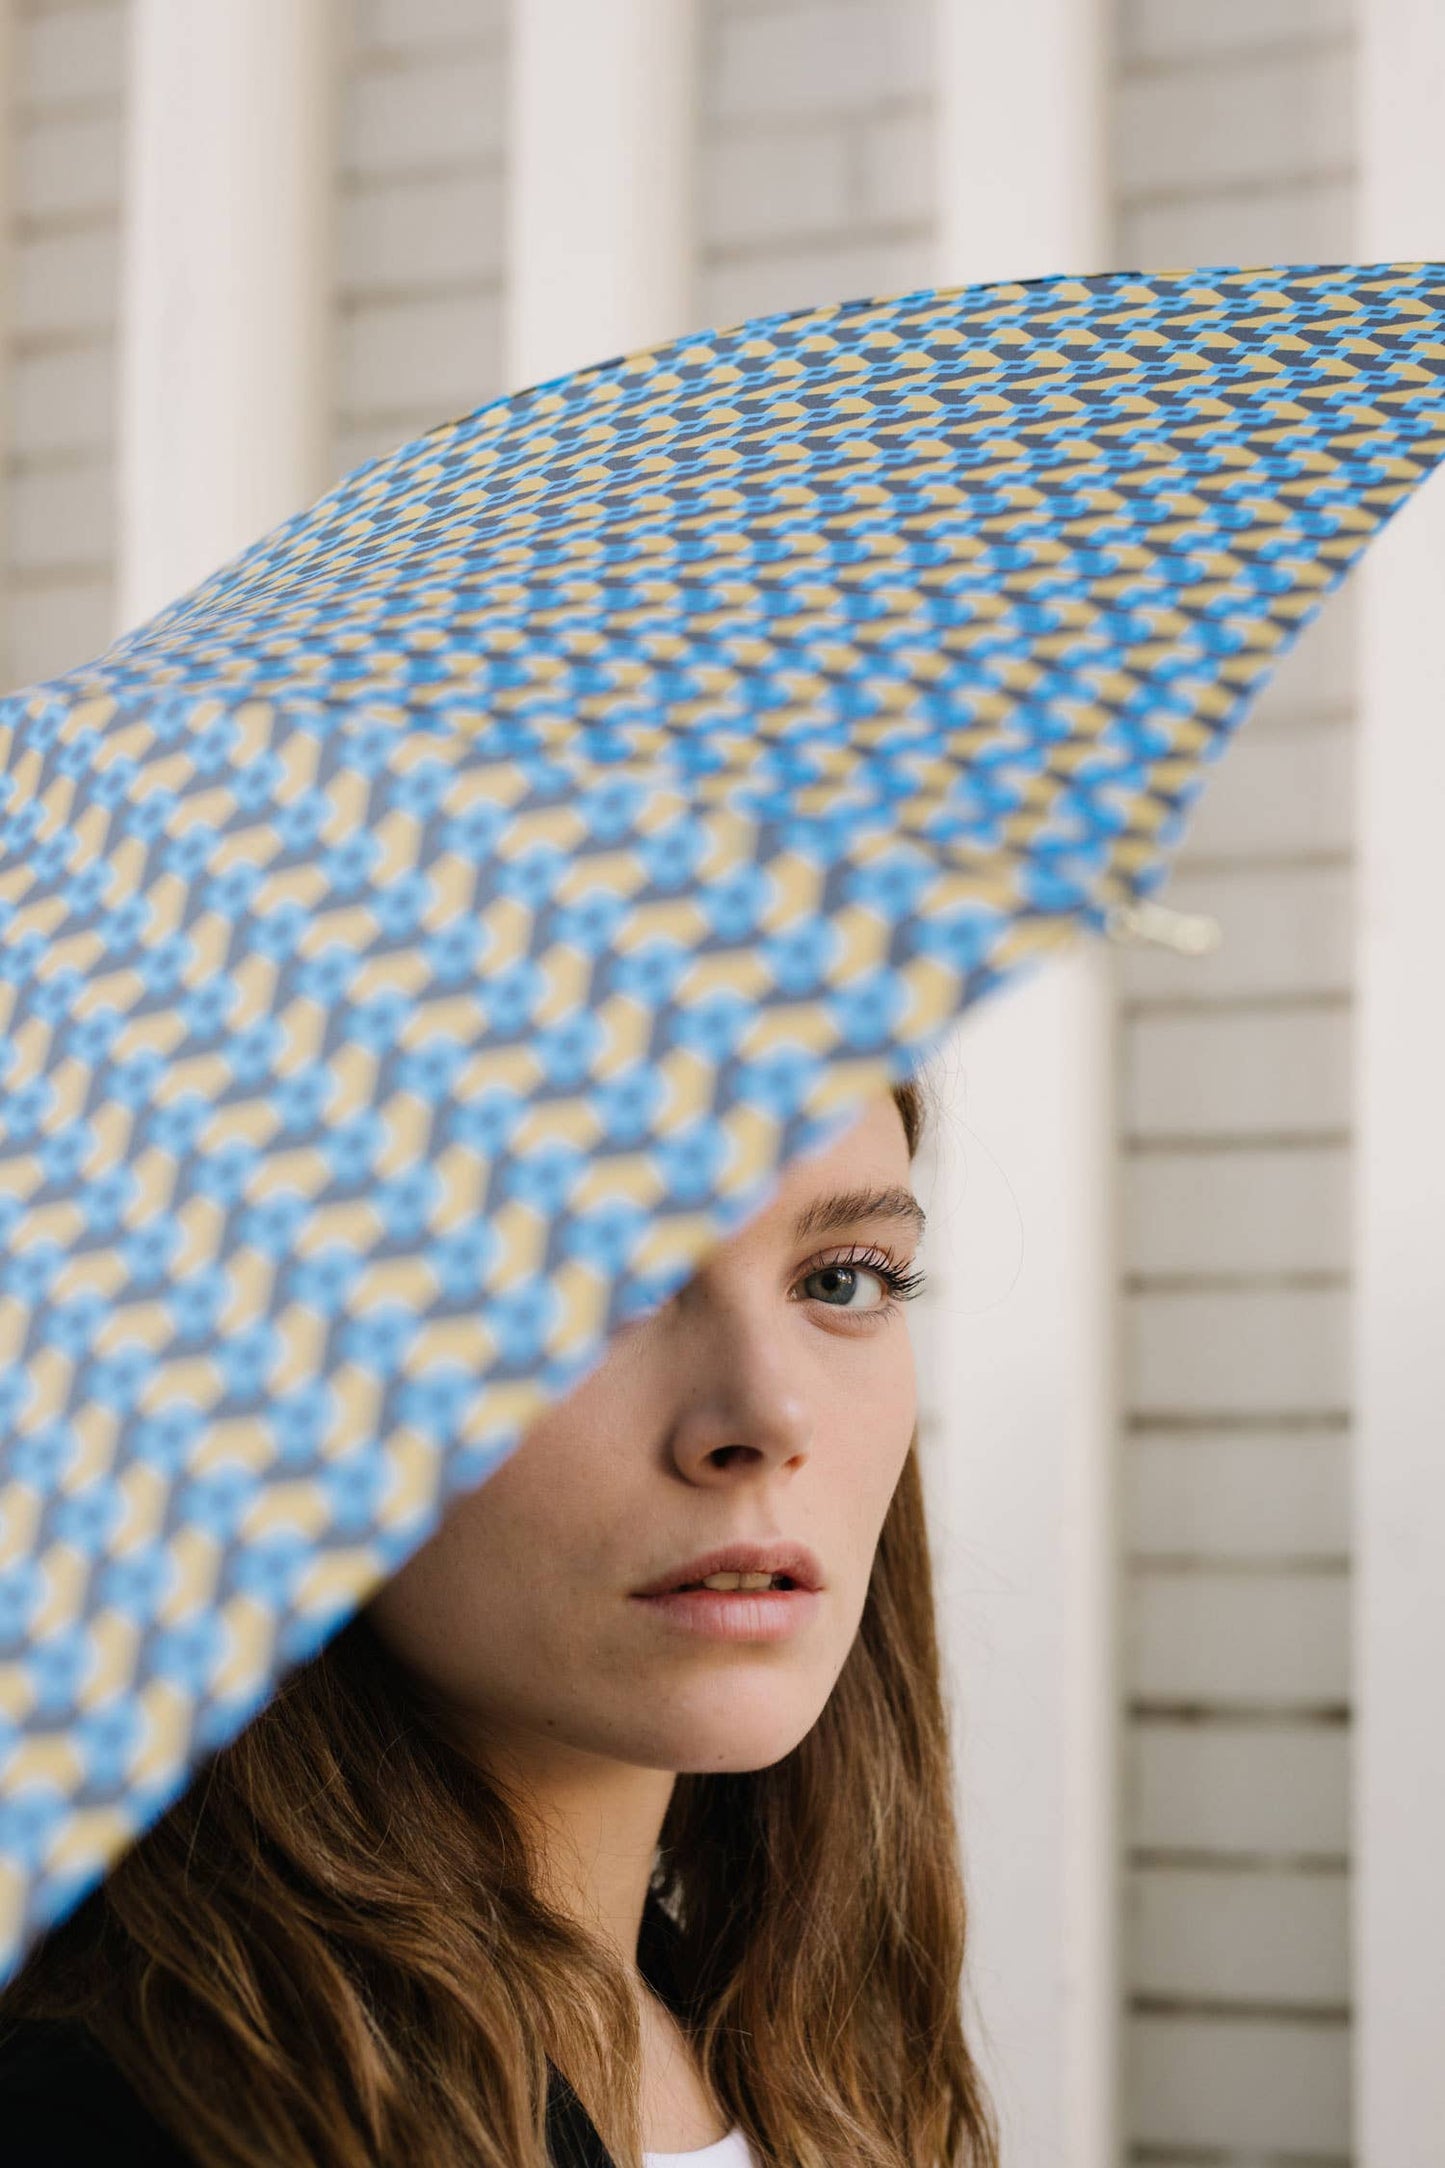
(846, 1207)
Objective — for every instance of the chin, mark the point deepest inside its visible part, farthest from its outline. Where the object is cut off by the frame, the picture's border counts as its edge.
(729, 1758)
(728, 1733)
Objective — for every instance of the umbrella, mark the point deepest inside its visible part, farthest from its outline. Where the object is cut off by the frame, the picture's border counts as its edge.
(423, 942)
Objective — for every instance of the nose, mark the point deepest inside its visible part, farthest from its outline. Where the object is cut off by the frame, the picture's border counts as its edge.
(741, 1411)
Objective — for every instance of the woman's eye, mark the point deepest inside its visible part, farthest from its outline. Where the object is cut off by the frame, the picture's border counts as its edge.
(839, 1282)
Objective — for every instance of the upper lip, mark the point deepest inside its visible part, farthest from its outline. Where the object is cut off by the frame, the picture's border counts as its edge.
(793, 1559)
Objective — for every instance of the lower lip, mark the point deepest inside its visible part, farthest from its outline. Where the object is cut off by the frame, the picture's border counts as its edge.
(722, 1614)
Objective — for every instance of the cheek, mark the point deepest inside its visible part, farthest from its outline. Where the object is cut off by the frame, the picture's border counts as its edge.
(865, 1424)
(475, 1600)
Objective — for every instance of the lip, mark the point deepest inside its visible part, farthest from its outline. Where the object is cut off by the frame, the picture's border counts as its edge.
(721, 1614)
(780, 1556)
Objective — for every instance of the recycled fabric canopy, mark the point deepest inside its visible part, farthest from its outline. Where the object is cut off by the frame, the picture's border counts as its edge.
(421, 944)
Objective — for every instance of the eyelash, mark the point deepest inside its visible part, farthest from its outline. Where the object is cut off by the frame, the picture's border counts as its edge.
(903, 1283)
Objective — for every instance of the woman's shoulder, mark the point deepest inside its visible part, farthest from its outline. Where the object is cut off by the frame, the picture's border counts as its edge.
(64, 2104)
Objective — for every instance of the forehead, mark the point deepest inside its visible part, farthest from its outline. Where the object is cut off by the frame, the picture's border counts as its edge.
(862, 1177)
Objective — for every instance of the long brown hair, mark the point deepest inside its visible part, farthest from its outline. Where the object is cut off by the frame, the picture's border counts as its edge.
(330, 1954)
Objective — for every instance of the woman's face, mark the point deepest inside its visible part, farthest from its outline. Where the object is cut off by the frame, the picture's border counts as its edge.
(771, 1399)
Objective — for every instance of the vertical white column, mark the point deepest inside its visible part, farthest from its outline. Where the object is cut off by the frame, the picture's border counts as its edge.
(599, 192)
(9, 28)
(226, 283)
(1399, 1791)
(1022, 1477)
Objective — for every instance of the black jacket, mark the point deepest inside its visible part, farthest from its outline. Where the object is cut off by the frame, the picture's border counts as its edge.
(64, 2104)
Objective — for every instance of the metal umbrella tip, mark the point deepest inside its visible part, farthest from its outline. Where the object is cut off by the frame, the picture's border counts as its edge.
(1187, 933)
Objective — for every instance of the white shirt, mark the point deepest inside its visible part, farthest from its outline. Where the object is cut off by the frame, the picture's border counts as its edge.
(733, 2151)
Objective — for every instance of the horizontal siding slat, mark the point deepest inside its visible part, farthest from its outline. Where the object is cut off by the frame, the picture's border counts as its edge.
(746, 179)
(76, 54)
(430, 231)
(1306, 223)
(1231, 1211)
(443, 353)
(1238, 1638)
(53, 626)
(69, 168)
(67, 282)
(62, 517)
(1238, 1495)
(1242, 2084)
(1225, 1936)
(1239, 1075)
(1274, 1350)
(1316, 674)
(799, 276)
(1239, 1789)
(372, 439)
(896, 174)
(424, 118)
(1155, 31)
(63, 401)
(409, 26)
(1280, 793)
(1257, 121)
(833, 56)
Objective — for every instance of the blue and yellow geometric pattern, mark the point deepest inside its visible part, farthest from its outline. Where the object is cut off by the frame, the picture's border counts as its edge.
(421, 944)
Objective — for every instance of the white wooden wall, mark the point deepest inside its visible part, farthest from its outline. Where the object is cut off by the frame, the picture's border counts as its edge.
(419, 270)
(1233, 138)
(64, 122)
(1234, 141)
(816, 149)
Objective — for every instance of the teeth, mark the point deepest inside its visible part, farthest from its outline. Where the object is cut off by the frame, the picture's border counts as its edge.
(738, 1580)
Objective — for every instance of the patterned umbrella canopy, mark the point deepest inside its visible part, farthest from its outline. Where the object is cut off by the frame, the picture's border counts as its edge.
(421, 944)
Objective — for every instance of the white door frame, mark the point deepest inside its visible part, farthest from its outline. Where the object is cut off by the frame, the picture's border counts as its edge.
(600, 153)
(226, 283)
(1020, 1463)
(1398, 1890)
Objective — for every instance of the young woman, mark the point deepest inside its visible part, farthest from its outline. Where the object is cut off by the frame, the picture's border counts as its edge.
(617, 1826)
